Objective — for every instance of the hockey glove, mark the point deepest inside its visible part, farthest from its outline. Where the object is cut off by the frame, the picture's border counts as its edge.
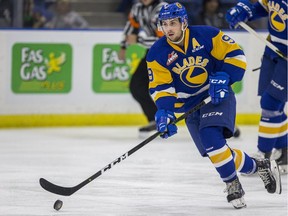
(242, 12)
(219, 87)
(163, 118)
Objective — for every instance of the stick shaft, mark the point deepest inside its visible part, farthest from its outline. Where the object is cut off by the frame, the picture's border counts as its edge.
(270, 45)
(67, 191)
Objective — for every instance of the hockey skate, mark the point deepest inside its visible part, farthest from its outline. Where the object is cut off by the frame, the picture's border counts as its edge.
(259, 155)
(145, 131)
(280, 155)
(235, 194)
(268, 171)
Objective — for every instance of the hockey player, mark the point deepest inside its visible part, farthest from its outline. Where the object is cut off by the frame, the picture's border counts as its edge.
(272, 86)
(186, 66)
(143, 16)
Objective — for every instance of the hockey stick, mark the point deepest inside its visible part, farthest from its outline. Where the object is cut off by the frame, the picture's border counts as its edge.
(270, 45)
(67, 191)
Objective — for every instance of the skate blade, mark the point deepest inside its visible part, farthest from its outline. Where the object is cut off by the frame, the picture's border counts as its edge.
(276, 173)
(239, 203)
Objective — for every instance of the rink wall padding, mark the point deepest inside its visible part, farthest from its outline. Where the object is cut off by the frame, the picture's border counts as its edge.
(13, 121)
(74, 78)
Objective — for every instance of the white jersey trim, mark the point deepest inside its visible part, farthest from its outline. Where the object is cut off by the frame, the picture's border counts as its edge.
(273, 125)
(168, 90)
(185, 95)
(238, 57)
(279, 40)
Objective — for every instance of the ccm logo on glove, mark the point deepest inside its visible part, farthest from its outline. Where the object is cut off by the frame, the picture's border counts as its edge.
(219, 87)
(216, 81)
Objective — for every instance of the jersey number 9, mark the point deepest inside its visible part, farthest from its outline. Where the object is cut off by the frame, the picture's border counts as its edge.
(150, 74)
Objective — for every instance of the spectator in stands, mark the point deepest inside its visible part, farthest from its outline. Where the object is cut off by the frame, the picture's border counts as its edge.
(65, 17)
(211, 15)
(6, 13)
(125, 6)
(33, 16)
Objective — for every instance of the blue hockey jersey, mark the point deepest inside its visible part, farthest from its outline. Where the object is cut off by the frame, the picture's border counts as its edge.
(276, 10)
(179, 77)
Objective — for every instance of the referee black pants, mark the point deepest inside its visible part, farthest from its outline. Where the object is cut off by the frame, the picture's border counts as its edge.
(139, 88)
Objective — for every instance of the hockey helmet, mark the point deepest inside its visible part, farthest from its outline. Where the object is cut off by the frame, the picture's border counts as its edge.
(171, 11)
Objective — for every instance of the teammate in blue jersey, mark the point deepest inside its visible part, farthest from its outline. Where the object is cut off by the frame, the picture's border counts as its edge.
(187, 65)
(272, 86)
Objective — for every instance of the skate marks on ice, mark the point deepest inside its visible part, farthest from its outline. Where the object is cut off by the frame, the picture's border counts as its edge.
(164, 178)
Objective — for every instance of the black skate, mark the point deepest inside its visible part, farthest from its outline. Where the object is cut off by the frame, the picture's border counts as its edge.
(280, 155)
(150, 127)
(235, 194)
(146, 130)
(268, 171)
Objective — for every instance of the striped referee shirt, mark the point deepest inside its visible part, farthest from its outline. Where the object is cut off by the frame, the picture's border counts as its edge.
(144, 18)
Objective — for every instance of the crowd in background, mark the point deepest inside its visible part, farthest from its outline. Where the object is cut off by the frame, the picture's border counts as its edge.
(60, 14)
(43, 14)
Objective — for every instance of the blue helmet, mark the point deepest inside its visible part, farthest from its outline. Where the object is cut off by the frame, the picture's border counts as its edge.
(171, 11)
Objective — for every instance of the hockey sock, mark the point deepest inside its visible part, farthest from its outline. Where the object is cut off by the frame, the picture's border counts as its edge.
(282, 139)
(243, 162)
(273, 123)
(219, 152)
(272, 130)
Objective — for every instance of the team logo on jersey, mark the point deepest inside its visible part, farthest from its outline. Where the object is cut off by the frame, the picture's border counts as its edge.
(277, 17)
(171, 57)
(194, 76)
(192, 72)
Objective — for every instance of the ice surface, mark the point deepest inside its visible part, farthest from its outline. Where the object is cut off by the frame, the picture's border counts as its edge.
(164, 178)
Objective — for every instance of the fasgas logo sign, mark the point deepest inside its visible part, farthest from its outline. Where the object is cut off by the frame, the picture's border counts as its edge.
(41, 68)
(110, 74)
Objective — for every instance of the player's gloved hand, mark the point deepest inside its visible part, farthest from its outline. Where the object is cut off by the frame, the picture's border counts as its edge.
(219, 87)
(163, 118)
(240, 13)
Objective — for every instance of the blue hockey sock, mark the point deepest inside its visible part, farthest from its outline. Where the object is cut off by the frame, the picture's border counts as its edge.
(282, 139)
(272, 130)
(219, 153)
(243, 162)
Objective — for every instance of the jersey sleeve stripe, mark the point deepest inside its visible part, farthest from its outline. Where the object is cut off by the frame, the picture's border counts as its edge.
(162, 94)
(237, 61)
(178, 105)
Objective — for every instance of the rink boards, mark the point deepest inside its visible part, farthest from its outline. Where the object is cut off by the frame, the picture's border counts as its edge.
(58, 78)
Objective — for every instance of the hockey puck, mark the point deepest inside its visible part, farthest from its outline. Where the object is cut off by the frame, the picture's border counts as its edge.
(236, 132)
(58, 205)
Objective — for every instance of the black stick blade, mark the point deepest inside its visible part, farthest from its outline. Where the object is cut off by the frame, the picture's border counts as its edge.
(64, 191)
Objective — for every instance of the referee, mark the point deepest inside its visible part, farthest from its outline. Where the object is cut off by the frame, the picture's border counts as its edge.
(143, 16)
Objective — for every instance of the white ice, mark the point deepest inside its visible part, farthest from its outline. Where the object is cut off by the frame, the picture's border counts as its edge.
(164, 178)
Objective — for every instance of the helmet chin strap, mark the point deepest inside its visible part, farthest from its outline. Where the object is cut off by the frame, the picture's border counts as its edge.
(183, 28)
